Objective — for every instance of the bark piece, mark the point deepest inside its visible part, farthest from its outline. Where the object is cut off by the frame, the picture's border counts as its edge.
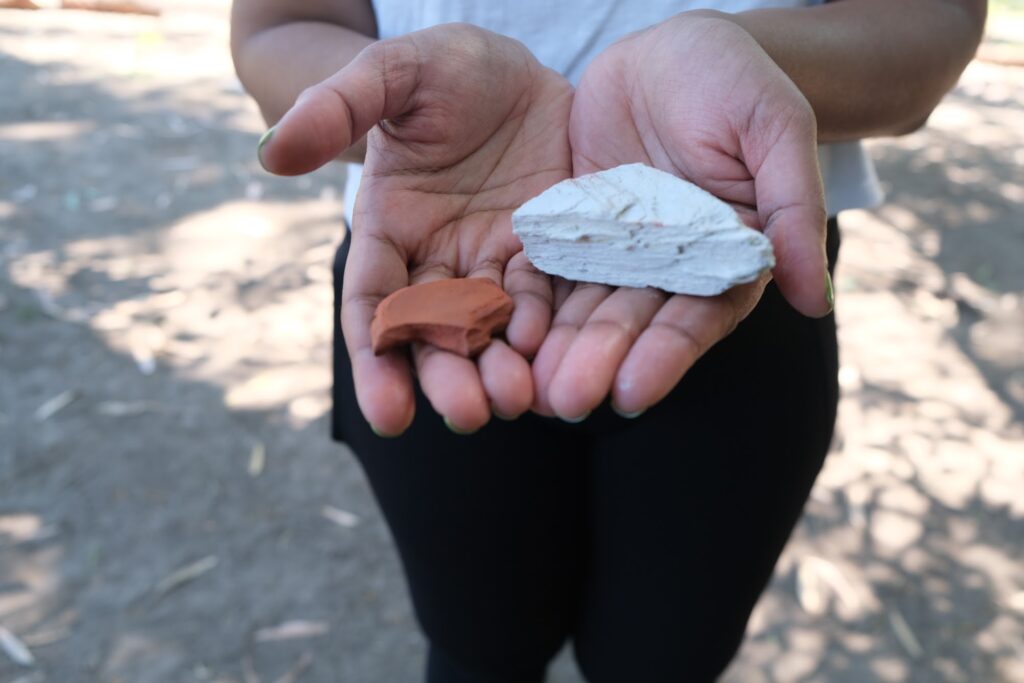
(636, 226)
(456, 315)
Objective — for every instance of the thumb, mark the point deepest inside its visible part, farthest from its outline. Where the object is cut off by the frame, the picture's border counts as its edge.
(334, 114)
(791, 207)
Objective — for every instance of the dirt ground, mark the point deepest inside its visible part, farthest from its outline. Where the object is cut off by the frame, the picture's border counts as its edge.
(171, 509)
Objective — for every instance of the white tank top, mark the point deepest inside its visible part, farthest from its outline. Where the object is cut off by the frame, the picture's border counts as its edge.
(566, 35)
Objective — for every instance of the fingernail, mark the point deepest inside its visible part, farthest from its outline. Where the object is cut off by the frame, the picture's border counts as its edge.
(830, 295)
(381, 434)
(456, 430)
(628, 416)
(576, 420)
(262, 143)
(502, 416)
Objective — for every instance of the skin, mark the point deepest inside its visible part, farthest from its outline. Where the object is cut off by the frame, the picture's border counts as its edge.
(734, 103)
(440, 183)
(759, 154)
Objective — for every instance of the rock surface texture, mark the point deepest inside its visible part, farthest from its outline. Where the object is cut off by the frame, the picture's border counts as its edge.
(636, 226)
(456, 315)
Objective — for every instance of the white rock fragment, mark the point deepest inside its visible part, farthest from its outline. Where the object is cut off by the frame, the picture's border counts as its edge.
(636, 226)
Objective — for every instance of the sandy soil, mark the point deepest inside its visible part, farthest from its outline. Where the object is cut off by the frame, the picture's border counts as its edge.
(172, 510)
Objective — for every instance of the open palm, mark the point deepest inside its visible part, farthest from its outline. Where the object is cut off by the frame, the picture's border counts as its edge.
(697, 97)
(466, 126)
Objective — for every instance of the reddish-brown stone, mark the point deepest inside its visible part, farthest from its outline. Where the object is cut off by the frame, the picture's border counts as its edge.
(456, 315)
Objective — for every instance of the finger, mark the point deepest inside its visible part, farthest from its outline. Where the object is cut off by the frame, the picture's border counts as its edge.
(791, 207)
(507, 380)
(453, 386)
(562, 289)
(504, 370)
(679, 334)
(383, 384)
(585, 374)
(450, 382)
(571, 316)
(532, 293)
(329, 117)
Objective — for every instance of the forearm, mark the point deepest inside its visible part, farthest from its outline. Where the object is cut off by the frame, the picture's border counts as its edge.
(870, 67)
(276, 62)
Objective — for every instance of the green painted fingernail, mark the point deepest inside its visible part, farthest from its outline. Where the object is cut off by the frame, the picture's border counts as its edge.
(502, 416)
(576, 420)
(456, 430)
(830, 295)
(628, 416)
(262, 143)
(381, 434)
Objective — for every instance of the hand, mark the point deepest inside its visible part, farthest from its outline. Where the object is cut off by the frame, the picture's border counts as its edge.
(466, 126)
(695, 96)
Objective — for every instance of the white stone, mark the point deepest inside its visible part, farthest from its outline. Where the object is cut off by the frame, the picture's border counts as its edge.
(636, 226)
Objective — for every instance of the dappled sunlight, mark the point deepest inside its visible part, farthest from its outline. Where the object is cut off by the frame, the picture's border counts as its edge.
(908, 564)
(44, 130)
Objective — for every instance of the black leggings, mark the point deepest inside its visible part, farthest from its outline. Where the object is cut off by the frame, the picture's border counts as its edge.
(646, 541)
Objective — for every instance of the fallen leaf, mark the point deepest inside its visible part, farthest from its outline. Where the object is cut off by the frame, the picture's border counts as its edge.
(817, 580)
(292, 630)
(125, 408)
(44, 638)
(56, 404)
(342, 518)
(189, 572)
(905, 635)
(145, 341)
(293, 674)
(15, 649)
(257, 458)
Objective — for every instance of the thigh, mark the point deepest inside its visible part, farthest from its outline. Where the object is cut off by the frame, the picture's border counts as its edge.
(693, 503)
(487, 526)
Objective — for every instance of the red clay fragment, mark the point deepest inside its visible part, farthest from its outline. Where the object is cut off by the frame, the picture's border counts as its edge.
(456, 315)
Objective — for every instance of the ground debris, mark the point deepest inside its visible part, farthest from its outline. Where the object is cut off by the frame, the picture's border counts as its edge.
(292, 630)
(342, 518)
(56, 404)
(144, 342)
(16, 650)
(293, 674)
(249, 674)
(189, 572)
(126, 408)
(904, 634)
(817, 580)
(257, 458)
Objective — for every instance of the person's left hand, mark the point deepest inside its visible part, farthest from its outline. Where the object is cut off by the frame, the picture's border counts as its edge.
(695, 96)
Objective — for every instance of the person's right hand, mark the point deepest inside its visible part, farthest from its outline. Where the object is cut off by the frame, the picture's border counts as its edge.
(466, 126)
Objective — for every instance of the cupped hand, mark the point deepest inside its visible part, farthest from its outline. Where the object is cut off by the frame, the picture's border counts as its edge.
(695, 96)
(464, 126)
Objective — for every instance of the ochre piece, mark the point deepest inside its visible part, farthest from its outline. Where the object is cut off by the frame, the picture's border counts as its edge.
(456, 315)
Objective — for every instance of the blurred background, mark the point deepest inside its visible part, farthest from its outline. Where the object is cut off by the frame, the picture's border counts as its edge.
(171, 508)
